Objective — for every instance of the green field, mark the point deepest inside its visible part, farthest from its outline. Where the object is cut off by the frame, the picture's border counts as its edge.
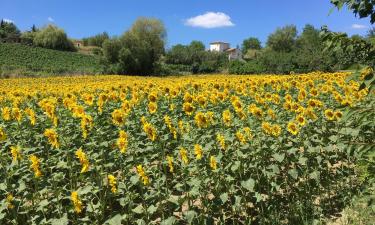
(21, 60)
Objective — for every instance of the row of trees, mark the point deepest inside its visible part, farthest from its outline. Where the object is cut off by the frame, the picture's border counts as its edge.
(49, 36)
(286, 51)
(141, 50)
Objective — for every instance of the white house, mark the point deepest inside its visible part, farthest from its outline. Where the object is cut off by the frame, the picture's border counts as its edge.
(219, 46)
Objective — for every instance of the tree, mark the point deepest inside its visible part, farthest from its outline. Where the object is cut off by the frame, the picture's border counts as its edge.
(362, 8)
(251, 43)
(96, 40)
(353, 50)
(53, 37)
(138, 50)
(197, 46)
(283, 39)
(309, 51)
(9, 32)
(29, 36)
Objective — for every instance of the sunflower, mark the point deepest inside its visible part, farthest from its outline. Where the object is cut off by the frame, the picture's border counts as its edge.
(213, 163)
(227, 117)
(188, 108)
(293, 128)
(198, 151)
(202, 100)
(201, 120)
(118, 117)
(338, 115)
(300, 119)
(152, 107)
(150, 131)
(330, 115)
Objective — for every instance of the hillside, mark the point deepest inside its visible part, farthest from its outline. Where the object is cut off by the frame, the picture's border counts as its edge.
(21, 60)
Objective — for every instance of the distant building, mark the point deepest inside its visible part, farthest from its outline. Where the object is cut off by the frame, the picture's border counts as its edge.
(234, 53)
(78, 43)
(219, 46)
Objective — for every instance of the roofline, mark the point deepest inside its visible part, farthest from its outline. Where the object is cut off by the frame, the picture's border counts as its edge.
(219, 42)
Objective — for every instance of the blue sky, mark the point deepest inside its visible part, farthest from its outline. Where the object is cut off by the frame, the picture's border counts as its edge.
(205, 20)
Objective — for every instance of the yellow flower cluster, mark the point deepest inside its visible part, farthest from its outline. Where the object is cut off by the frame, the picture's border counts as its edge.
(77, 203)
(83, 160)
(35, 164)
(52, 136)
(141, 172)
(113, 183)
(122, 141)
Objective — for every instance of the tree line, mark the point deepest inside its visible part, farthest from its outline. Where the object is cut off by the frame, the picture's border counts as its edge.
(141, 50)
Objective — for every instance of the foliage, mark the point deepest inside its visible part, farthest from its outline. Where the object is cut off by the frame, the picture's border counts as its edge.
(283, 39)
(53, 37)
(363, 8)
(250, 67)
(17, 59)
(261, 149)
(195, 56)
(352, 49)
(96, 40)
(9, 32)
(250, 43)
(138, 50)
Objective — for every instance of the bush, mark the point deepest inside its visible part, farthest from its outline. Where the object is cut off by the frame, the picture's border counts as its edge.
(251, 67)
(53, 37)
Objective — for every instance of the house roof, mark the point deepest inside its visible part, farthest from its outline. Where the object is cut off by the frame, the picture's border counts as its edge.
(231, 49)
(218, 42)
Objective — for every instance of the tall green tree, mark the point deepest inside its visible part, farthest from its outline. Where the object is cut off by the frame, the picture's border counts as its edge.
(251, 43)
(9, 31)
(53, 37)
(96, 40)
(283, 39)
(138, 50)
(197, 46)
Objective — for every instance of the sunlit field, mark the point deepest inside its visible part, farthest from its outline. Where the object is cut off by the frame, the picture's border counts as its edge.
(209, 149)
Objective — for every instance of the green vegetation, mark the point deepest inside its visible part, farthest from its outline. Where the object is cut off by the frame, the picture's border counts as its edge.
(362, 8)
(53, 37)
(96, 40)
(138, 50)
(193, 58)
(17, 59)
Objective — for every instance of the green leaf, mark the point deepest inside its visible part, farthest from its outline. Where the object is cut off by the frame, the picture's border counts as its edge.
(224, 197)
(249, 184)
(152, 209)
(279, 157)
(138, 209)
(235, 166)
(169, 221)
(190, 216)
(134, 179)
(302, 160)
(315, 175)
(61, 221)
(116, 220)
(85, 190)
(293, 173)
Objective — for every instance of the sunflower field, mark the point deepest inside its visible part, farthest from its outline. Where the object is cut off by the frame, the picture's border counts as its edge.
(210, 149)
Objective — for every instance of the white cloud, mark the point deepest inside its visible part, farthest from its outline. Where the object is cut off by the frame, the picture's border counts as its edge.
(50, 19)
(359, 26)
(210, 20)
(8, 20)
